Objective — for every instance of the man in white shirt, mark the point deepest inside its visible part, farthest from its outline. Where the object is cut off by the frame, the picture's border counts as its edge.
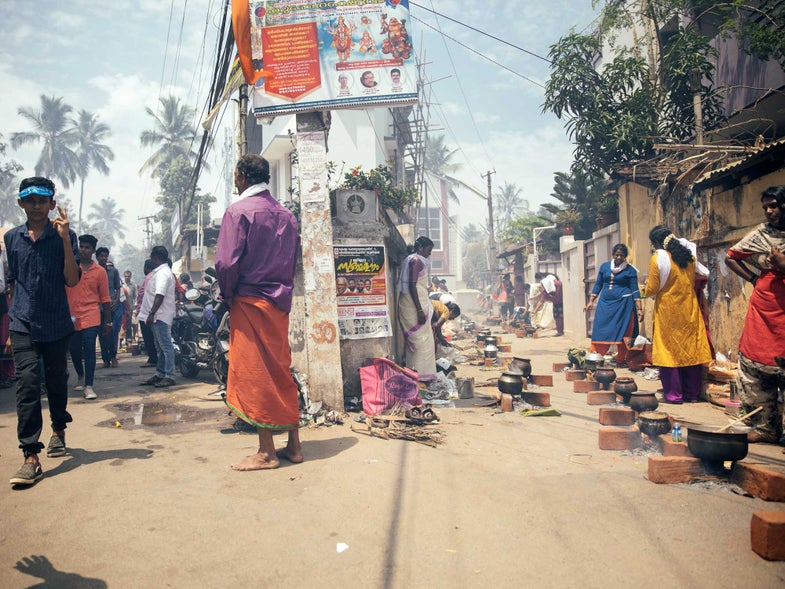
(158, 308)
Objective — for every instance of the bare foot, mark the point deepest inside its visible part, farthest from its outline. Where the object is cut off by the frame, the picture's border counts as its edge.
(291, 456)
(256, 462)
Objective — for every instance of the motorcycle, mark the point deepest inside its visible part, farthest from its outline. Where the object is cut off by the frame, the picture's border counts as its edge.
(194, 330)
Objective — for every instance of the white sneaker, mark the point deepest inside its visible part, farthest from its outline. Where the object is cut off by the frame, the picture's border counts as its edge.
(89, 393)
(79, 384)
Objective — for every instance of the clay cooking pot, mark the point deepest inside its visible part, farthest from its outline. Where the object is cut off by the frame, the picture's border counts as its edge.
(624, 386)
(654, 423)
(605, 376)
(641, 401)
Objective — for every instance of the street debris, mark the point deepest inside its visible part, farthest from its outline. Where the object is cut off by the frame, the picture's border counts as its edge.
(414, 424)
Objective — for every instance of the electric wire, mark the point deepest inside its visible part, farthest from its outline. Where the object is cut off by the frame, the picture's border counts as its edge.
(495, 38)
(493, 61)
(463, 94)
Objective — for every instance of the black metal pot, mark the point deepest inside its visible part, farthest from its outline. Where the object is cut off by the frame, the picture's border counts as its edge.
(654, 423)
(523, 365)
(511, 382)
(705, 443)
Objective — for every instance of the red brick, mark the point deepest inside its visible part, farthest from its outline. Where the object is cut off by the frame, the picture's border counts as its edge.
(767, 534)
(616, 438)
(537, 398)
(674, 469)
(759, 482)
(584, 386)
(600, 397)
(616, 416)
(541, 380)
(575, 375)
(505, 347)
(560, 366)
(488, 362)
(671, 448)
(520, 333)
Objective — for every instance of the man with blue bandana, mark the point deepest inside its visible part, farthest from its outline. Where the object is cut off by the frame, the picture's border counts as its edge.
(41, 263)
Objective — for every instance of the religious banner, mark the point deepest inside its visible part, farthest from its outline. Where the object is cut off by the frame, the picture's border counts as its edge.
(327, 55)
(361, 287)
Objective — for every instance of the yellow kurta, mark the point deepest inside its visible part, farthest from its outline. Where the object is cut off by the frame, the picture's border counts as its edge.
(679, 332)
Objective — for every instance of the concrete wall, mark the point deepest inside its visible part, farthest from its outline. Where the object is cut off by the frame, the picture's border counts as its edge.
(715, 219)
(573, 270)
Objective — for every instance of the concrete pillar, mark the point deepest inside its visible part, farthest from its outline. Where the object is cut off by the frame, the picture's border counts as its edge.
(321, 310)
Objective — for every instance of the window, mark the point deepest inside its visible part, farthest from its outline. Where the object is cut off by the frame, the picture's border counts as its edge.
(434, 226)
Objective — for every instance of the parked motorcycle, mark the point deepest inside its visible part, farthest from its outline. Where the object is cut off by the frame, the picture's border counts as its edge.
(194, 330)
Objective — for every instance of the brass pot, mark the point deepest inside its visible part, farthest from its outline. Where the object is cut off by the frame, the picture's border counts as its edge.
(624, 387)
(482, 335)
(523, 365)
(511, 382)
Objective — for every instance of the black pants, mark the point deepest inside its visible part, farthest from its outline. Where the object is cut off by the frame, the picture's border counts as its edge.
(28, 390)
(149, 343)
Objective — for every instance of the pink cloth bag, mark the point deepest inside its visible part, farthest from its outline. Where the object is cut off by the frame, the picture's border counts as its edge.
(384, 384)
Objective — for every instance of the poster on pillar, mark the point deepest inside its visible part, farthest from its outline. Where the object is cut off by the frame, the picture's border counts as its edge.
(361, 288)
(329, 55)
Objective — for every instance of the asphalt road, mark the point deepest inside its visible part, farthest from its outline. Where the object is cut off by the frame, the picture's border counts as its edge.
(506, 501)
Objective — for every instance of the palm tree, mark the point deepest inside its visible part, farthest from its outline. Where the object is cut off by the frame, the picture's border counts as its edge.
(437, 161)
(10, 213)
(106, 221)
(510, 204)
(90, 151)
(50, 126)
(172, 134)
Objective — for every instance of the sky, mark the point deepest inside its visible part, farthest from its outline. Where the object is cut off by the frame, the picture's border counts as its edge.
(116, 59)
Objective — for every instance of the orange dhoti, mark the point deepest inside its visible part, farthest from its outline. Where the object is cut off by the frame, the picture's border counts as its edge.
(260, 389)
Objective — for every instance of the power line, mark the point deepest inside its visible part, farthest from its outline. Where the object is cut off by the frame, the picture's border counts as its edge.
(465, 99)
(438, 14)
(473, 50)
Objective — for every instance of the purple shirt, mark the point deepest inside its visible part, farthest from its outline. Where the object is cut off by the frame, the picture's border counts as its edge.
(257, 251)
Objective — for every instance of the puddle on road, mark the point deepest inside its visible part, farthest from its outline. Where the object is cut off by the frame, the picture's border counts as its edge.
(156, 414)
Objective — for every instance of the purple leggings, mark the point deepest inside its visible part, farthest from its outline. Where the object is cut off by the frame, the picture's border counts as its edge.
(682, 383)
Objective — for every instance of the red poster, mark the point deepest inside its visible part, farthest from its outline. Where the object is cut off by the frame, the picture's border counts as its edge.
(291, 54)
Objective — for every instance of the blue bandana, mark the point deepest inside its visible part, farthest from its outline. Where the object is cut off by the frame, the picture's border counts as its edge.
(42, 190)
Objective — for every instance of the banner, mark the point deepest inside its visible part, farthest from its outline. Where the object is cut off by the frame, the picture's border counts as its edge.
(361, 287)
(323, 55)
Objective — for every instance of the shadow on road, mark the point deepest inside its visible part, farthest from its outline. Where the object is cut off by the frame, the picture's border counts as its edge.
(40, 567)
(78, 457)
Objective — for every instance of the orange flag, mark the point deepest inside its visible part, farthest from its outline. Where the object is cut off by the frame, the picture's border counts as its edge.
(241, 25)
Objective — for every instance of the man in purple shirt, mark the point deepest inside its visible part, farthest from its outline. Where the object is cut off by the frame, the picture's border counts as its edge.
(255, 262)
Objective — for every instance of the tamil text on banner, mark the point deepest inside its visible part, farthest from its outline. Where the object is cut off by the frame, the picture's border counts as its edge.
(362, 291)
(327, 55)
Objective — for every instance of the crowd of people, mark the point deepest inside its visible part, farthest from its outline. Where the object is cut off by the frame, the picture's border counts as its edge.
(61, 294)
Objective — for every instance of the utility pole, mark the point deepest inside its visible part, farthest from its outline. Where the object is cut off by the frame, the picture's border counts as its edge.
(242, 139)
(148, 229)
(491, 237)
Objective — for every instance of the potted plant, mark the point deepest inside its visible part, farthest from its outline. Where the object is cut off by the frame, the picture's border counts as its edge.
(567, 219)
(380, 180)
(607, 210)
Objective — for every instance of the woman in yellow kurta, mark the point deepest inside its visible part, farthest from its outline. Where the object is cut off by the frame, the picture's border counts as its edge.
(680, 344)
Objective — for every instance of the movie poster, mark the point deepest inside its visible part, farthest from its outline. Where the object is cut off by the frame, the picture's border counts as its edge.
(327, 55)
(361, 287)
